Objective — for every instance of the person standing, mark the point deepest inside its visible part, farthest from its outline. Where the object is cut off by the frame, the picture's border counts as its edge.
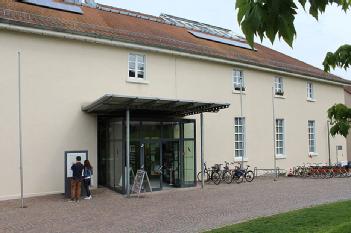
(88, 172)
(76, 180)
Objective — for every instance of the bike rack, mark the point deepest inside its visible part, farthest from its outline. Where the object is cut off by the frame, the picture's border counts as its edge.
(268, 171)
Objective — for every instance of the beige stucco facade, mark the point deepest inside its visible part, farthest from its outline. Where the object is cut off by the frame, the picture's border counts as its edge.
(59, 76)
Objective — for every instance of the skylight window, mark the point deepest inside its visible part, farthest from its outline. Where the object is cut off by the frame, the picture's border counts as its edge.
(220, 40)
(55, 5)
(194, 25)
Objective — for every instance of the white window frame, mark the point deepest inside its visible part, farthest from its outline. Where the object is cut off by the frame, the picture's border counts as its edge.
(278, 86)
(312, 148)
(136, 70)
(280, 137)
(239, 138)
(310, 91)
(238, 76)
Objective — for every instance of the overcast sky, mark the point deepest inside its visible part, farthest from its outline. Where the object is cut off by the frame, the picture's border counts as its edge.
(314, 39)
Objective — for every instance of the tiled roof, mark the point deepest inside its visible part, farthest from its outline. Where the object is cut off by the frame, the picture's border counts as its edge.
(127, 26)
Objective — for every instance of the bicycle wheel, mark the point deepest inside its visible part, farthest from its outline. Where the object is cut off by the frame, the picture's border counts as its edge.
(227, 177)
(216, 177)
(205, 176)
(315, 174)
(323, 175)
(344, 173)
(329, 174)
(249, 176)
(199, 177)
(238, 177)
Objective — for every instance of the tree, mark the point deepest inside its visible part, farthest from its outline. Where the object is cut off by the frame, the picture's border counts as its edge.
(275, 18)
(340, 116)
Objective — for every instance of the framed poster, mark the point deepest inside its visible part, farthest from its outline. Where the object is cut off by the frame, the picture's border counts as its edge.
(70, 159)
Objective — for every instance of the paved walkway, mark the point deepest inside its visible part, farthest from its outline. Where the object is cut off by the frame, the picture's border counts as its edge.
(176, 210)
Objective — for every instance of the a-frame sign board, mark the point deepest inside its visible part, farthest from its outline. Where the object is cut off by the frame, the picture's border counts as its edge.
(139, 181)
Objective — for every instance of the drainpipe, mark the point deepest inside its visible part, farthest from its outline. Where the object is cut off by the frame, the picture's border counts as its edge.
(202, 150)
(274, 129)
(241, 116)
(20, 127)
(328, 125)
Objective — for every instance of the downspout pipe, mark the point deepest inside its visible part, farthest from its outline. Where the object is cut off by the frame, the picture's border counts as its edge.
(329, 157)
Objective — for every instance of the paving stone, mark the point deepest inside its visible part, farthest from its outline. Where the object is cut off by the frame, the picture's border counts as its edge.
(175, 210)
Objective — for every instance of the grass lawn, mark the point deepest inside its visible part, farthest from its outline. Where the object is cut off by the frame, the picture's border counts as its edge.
(329, 218)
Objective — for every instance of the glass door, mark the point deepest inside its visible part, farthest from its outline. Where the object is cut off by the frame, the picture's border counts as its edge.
(134, 160)
(152, 163)
(188, 159)
(170, 164)
(110, 153)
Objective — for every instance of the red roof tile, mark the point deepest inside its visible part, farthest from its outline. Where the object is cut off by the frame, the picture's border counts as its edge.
(150, 32)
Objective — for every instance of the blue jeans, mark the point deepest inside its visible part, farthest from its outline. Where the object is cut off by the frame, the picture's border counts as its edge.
(86, 183)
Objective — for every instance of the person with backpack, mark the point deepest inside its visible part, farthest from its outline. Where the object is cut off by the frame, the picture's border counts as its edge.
(87, 173)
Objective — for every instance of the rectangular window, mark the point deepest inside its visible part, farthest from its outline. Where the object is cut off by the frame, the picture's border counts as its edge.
(279, 136)
(238, 80)
(136, 64)
(239, 125)
(311, 137)
(278, 86)
(310, 92)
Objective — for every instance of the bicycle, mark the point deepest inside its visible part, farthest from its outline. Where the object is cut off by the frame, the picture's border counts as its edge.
(209, 175)
(234, 175)
(206, 175)
(217, 174)
(224, 174)
(246, 173)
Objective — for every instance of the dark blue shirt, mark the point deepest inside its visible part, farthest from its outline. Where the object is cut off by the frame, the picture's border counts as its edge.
(77, 169)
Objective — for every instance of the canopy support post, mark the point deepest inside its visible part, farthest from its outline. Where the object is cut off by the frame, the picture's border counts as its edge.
(127, 152)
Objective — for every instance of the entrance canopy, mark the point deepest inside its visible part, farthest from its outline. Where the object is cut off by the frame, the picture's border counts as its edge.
(117, 103)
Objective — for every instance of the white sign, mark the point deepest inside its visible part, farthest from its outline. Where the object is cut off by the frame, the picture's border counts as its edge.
(71, 159)
(139, 182)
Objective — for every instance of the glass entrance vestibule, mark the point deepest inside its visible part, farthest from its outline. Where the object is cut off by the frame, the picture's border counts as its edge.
(164, 148)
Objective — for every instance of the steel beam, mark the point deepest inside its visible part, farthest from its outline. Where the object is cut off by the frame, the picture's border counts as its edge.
(127, 151)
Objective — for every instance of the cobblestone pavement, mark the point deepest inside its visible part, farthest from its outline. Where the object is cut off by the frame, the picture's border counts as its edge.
(176, 210)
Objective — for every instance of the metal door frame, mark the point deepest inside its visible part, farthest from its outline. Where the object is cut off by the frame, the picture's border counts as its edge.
(178, 141)
(142, 156)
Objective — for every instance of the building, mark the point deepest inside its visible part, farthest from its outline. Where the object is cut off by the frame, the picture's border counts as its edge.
(85, 67)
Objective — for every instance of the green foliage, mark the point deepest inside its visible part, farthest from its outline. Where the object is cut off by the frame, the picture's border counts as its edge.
(341, 58)
(275, 18)
(330, 218)
(272, 18)
(339, 116)
(267, 18)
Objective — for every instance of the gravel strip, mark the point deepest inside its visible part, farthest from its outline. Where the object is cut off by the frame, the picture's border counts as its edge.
(175, 210)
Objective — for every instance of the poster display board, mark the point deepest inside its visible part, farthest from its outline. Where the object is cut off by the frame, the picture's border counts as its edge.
(70, 159)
